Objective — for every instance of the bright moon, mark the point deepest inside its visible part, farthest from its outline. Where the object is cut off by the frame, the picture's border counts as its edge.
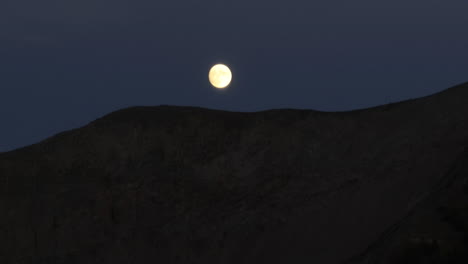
(220, 76)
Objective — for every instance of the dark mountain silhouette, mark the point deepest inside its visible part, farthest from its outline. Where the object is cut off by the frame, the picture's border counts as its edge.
(189, 185)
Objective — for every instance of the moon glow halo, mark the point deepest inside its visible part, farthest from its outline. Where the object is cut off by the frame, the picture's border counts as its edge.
(220, 76)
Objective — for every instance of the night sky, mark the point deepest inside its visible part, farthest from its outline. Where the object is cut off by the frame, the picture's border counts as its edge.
(65, 63)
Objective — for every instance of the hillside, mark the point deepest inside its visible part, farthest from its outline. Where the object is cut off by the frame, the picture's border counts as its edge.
(172, 184)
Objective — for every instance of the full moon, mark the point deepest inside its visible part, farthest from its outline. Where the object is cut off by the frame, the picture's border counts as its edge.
(220, 76)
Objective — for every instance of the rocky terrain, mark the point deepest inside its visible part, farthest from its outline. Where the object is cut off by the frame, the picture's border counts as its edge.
(169, 184)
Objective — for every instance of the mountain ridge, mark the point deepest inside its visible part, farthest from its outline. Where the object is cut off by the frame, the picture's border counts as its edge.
(382, 107)
(193, 185)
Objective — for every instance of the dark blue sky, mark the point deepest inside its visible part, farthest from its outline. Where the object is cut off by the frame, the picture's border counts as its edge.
(66, 63)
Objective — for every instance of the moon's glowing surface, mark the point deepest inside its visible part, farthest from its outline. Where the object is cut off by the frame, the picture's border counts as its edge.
(220, 76)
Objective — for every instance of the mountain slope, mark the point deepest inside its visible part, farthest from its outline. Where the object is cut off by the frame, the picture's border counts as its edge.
(190, 185)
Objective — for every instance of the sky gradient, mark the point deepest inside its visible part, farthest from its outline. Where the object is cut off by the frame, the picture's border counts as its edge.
(66, 63)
